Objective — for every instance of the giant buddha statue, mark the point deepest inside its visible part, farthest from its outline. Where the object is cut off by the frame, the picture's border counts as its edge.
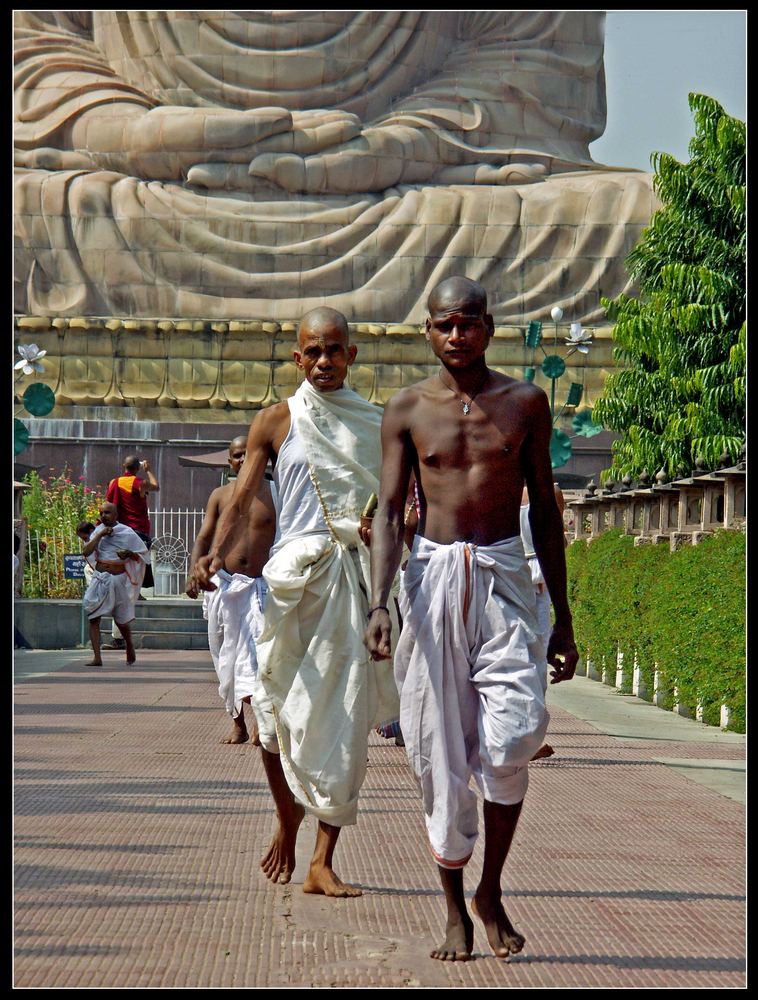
(229, 164)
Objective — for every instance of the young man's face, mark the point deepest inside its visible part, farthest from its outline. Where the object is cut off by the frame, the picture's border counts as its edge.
(459, 332)
(237, 457)
(325, 356)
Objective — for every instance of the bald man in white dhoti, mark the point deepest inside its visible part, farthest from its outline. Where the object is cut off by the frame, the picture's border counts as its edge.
(121, 558)
(470, 660)
(234, 596)
(323, 694)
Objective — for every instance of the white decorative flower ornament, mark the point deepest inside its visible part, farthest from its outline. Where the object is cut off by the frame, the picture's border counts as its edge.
(579, 339)
(30, 359)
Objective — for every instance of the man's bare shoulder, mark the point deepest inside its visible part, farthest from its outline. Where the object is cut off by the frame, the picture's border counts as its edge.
(527, 393)
(406, 399)
(271, 417)
(219, 495)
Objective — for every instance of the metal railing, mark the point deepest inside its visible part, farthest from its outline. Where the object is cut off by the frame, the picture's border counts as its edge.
(174, 534)
(43, 564)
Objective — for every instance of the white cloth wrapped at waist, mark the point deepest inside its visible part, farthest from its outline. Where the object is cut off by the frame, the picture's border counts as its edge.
(111, 594)
(325, 692)
(470, 667)
(211, 615)
(239, 609)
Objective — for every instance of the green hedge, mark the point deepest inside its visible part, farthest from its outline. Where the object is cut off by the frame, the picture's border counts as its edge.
(684, 611)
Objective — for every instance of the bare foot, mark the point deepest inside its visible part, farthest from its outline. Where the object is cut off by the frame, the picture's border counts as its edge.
(254, 735)
(322, 880)
(458, 943)
(93, 663)
(238, 734)
(279, 862)
(503, 938)
(544, 751)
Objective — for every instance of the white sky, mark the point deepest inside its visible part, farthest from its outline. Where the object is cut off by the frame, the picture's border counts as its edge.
(653, 60)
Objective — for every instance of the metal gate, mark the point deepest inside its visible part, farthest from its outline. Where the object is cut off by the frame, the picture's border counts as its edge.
(174, 534)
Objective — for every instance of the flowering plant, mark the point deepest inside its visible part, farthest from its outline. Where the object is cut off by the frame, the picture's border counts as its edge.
(52, 508)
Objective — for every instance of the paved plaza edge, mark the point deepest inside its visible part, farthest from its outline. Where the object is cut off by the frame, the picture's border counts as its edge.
(138, 837)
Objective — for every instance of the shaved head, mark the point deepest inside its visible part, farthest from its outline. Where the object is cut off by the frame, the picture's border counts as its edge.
(110, 508)
(239, 442)
(320, 320)
(132, 463)
(457, 291)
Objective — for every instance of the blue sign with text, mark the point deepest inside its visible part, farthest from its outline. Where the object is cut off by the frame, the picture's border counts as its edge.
(73, 566)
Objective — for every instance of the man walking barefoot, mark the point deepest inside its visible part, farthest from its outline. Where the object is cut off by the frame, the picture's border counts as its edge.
(324, 694)
(121, 558)
(235, 595)
(470, 659)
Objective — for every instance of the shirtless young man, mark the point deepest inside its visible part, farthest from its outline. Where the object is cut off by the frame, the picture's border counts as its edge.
(324, 443)
(469, 660)
(234, 597)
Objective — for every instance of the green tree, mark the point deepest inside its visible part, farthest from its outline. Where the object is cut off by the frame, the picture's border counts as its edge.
(681, 393)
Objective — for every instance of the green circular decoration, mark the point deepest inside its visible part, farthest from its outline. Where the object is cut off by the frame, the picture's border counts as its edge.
(529, 374)
(584, 424)
(560, 448)
(20, 436)
(553, 366)
(39, 399)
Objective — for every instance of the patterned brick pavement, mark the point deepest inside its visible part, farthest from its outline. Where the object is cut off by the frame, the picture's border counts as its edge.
(138, 838)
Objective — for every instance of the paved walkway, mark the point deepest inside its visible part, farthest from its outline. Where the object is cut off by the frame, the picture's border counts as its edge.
(138, 838)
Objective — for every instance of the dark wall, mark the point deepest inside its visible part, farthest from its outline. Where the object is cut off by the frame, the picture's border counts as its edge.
(87, 450)
(90, 453)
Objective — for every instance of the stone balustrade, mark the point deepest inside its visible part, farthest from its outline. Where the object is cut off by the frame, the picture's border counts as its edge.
(678, 512)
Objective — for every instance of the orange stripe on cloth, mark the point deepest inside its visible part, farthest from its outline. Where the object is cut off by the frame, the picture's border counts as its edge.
(126, 483)
(466, 596)
(444, 863)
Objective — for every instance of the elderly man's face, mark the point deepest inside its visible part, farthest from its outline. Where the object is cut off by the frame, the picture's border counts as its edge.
(325, 355)
(108, 515)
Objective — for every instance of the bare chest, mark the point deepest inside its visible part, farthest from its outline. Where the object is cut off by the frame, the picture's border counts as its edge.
(448, 438)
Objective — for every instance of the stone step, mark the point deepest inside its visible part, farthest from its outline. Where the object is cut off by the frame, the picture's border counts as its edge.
(163, 640)
(171, 640)
(145, 625)
(165, 623)
(176, 608)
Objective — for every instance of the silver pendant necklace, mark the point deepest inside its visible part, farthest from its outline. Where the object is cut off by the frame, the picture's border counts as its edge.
(466, 403)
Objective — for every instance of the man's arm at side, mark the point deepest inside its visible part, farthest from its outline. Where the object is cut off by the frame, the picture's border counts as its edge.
(388, 527)
(203, 539)
(266, 431)
(546, 524)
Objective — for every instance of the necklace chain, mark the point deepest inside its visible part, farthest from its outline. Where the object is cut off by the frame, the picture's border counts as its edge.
(466, 404)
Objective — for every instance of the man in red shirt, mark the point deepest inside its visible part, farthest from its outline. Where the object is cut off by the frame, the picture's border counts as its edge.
(129, 493)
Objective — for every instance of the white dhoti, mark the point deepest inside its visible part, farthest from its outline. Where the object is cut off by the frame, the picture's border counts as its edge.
(326, 694)
(240, 609)
(110, 595)
(470, 667)
(211, 615)
(542, 599)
